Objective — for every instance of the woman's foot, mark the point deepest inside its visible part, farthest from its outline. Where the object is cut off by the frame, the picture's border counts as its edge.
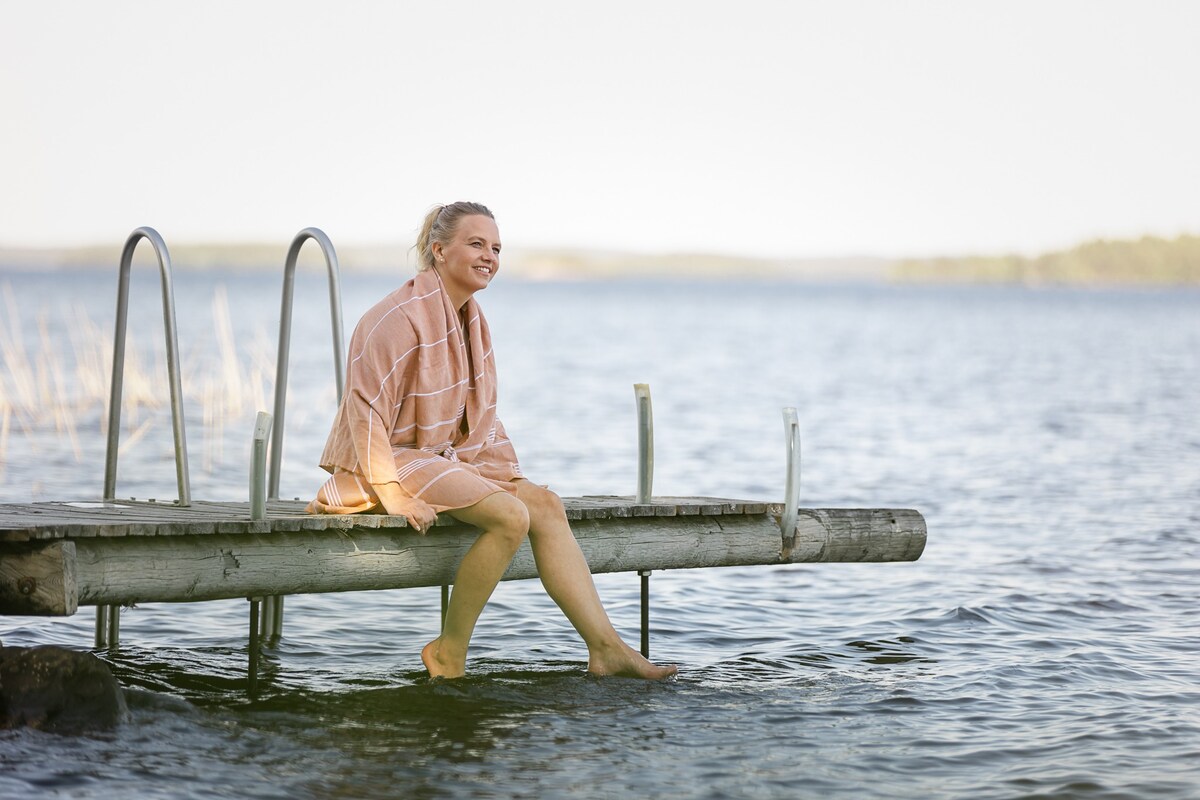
(623, 660)
(440, 663)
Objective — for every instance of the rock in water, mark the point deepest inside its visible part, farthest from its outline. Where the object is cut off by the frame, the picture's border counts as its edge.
(58, 690)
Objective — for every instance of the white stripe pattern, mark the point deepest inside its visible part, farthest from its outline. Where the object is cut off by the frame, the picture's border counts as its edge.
(435, 479)
(379, 322)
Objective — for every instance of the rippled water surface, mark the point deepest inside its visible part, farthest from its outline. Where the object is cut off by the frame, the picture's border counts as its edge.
(1045, 645)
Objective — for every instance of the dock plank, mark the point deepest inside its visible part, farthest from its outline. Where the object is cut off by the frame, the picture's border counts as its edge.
(134, 518)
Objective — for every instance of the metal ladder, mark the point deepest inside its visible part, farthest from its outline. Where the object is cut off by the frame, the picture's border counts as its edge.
(270, 625)
(108, 620)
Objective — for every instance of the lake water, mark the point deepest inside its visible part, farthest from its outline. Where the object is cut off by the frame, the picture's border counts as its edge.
(1045, 645)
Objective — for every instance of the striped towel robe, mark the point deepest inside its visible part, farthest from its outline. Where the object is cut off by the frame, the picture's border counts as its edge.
(419, 407)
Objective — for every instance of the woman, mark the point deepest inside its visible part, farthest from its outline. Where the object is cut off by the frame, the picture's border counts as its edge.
(417, 434)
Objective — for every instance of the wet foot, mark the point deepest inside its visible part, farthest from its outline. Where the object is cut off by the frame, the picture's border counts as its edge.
(626, 662)
(439, 665)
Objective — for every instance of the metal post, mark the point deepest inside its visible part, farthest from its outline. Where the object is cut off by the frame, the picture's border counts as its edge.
(114, 627)
(271, 615)
(101, 626)
(108, 626)
(645, 573)
(258, 466)
(272, 619)
(641, 393)
(791, 499)
(252, 669)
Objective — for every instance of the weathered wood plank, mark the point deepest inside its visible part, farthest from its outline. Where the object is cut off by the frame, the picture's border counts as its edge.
(181, 569)
(60, 520)
(39, 579)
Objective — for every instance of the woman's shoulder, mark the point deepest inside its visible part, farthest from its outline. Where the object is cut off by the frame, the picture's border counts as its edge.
(409, 308)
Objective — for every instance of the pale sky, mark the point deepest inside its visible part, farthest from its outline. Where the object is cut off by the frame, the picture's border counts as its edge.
(788, 129)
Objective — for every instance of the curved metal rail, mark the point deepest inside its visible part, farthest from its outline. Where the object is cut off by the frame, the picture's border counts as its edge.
(118, 366)
(270, 620)
(108, 618)
(285, 337)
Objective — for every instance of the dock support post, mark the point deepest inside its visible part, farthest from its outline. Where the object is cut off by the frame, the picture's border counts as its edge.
(641, 393)
(271, 619)
(114, 626)
(252, 670)
(645, 573)
(108, 626)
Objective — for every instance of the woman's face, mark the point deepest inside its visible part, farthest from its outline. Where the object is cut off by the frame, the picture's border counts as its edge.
(470, 261)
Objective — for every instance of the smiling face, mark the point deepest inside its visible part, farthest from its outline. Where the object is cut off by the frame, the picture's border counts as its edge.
(471, 259)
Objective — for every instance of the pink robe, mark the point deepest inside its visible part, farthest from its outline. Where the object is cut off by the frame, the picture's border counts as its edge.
(419, 407)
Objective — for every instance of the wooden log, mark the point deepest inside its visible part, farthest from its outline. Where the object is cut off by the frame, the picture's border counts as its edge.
(146, 569)
(38, 578)
(856, 534)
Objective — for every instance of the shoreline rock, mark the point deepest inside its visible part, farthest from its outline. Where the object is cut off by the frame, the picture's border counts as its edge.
(57, 690)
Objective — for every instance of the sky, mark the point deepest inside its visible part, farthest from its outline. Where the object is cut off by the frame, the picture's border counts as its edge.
(772, 129)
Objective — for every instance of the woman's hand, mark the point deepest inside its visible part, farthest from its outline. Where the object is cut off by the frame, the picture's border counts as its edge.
(418, 513)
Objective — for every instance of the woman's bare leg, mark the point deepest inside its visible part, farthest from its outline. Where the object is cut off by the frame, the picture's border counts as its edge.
(568, 581)
(505, 523)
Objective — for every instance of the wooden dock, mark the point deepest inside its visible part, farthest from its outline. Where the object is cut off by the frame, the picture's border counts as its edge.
(57, 556)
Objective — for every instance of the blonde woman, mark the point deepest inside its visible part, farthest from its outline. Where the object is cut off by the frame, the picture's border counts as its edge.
(417, 433)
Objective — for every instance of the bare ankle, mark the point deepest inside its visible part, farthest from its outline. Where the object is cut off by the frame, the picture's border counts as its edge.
(442, 660)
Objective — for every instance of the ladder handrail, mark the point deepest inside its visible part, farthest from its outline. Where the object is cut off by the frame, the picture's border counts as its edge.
(118, 372)
(285, 335)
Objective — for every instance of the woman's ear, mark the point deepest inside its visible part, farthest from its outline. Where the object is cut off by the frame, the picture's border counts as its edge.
(436, 249)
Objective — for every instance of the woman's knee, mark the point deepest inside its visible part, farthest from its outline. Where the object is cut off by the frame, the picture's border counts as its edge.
(499, 513)
(545, 507)
(508, 517)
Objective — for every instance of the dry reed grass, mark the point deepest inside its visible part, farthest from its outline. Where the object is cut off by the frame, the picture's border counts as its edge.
(44, 390)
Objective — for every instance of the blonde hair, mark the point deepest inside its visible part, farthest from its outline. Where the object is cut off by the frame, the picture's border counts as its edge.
(440, 225)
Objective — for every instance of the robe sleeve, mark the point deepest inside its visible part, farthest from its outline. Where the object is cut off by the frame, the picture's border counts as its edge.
(383, 361)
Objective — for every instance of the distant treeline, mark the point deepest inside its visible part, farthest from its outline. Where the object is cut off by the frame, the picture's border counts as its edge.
(1146, 260)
